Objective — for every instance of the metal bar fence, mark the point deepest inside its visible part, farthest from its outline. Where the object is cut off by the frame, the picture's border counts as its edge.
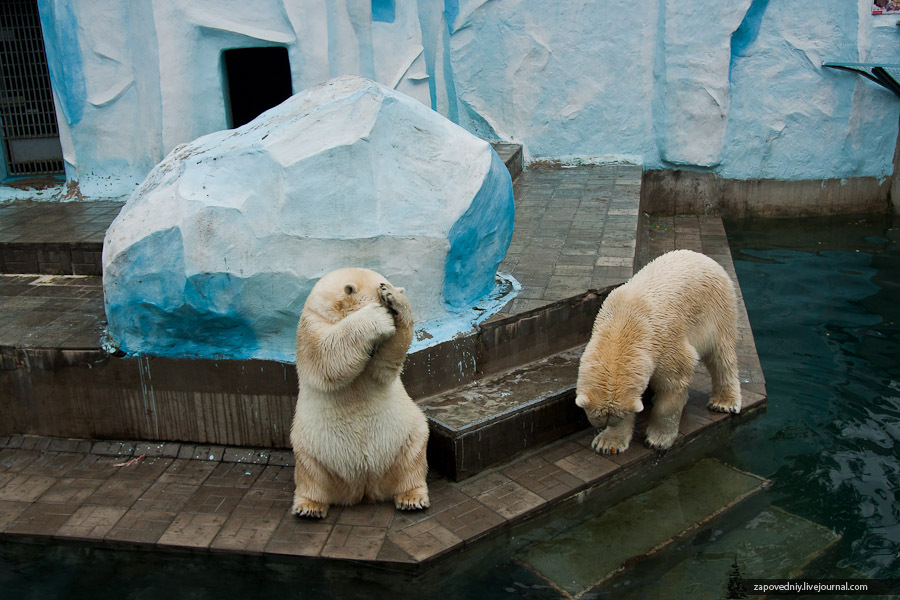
(27, 116)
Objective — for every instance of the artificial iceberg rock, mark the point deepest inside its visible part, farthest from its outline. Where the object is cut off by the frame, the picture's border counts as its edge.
(215, 252)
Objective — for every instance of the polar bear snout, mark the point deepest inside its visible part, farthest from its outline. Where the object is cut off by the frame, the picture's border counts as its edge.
(605, 419)
(606, 415)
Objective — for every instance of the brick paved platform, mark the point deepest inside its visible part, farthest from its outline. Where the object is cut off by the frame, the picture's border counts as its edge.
(236, 500)
(575, 230)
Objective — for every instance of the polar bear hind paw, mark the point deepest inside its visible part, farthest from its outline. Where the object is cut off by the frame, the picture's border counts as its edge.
(661, 441)
(304, 507)
(414, 499)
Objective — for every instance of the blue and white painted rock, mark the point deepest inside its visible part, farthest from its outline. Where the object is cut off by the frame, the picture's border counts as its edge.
(215, 252)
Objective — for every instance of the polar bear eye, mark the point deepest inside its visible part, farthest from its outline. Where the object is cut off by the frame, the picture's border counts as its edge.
(349, 289)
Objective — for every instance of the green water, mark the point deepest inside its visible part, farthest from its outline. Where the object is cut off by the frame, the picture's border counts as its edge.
(822, 295)
(823, 301)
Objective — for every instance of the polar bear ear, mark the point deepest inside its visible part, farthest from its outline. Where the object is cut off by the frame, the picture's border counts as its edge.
(581, 401)
(349, 289)
(401, 290)
(638, 405)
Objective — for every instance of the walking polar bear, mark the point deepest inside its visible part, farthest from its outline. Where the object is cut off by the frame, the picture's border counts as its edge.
(678, 309)
(356, 435)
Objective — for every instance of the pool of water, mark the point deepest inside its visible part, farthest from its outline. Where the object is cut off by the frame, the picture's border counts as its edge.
(823, 301)
(823, 296)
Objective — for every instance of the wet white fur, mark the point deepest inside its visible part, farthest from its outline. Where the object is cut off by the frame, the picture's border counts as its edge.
(357, 435)
(678, 309)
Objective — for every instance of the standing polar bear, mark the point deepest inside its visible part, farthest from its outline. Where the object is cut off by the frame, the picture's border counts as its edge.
(357, 436)
(678, 309)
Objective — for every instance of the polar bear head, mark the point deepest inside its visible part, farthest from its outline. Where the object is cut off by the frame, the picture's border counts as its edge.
(342, 292)
(615, 370)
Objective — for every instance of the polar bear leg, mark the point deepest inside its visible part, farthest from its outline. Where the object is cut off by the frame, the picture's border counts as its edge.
(671, 393)
(615, 439)
(726, 387)
(407, 478)
(662, 427)
(310, 481)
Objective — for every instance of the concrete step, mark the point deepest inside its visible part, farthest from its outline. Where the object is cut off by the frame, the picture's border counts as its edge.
(511, 155)
(495, 418)
(62, 384)
(640, 525)
(54, 238)
(772, 544)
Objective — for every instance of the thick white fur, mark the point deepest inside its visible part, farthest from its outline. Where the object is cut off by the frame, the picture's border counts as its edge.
(356, 435)
(678, 309)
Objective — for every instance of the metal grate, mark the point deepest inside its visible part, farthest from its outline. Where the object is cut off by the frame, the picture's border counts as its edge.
(27, 117)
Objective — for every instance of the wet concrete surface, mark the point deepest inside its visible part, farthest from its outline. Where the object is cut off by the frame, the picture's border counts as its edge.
(639, 525)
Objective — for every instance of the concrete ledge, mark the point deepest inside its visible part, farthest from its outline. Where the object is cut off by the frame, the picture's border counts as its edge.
(50, 258)
(496, 418)
(501, 344)
(511, 155)
(86, 393)
(675, 192)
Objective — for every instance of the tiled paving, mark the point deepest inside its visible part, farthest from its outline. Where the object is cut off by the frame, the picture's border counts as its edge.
(575, 230)
(237, 500)
(204, 504)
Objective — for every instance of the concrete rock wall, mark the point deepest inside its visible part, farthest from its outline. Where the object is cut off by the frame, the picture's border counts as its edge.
(733, 88)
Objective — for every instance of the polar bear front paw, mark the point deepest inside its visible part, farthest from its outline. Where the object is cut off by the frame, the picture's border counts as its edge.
(379, 319)
(730, 403)
(413, 499)
(395, 301)
(304, 507)
(608, 442)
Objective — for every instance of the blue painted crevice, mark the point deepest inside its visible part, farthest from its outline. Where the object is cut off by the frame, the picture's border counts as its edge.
(164, 313)
(361, 21)
(60, 29)
(184, 333)
(334, 47)
(745, 35)
(383, 11)
(451, 11)
(452, 106)
(479, 240)
(193, 317)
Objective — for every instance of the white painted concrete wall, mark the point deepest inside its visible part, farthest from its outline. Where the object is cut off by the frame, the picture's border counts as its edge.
(733, 87)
